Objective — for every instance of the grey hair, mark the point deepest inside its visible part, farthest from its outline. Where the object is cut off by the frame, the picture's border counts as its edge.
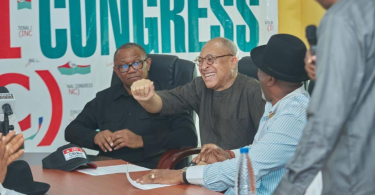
(130, 45)
(231, 47)
(228, 44)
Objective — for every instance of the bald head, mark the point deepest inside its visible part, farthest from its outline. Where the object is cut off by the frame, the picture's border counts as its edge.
(218, 63)
(224, 44)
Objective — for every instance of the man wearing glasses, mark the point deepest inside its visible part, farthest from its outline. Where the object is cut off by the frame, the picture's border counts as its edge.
(281, 75)
(228, 103)
(125, 129)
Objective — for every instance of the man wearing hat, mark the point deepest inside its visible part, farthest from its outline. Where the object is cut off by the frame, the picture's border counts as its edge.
(281, 73)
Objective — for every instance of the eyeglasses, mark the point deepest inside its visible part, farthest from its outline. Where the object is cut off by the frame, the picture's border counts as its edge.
(210, 59)
(126, 67)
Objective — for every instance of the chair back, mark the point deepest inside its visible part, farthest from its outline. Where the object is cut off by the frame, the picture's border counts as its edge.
(247, 67)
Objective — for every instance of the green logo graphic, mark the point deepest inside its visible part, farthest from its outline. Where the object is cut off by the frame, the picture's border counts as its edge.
(23, 4)
(71, 68)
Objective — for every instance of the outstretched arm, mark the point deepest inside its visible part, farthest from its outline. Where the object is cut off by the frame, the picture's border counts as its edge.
(144, 92)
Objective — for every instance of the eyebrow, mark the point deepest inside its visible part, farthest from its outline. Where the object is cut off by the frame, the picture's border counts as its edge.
(134, 58)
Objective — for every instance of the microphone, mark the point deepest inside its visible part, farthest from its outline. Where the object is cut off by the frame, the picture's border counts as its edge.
(7, 101)
(311, 38)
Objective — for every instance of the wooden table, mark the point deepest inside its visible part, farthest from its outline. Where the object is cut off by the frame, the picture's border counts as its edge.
(78, 183)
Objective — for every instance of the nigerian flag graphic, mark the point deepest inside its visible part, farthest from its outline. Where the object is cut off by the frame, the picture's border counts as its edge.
(23, 4)
(71, 68)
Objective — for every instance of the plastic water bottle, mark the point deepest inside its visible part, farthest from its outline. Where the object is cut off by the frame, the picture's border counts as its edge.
(245, 180)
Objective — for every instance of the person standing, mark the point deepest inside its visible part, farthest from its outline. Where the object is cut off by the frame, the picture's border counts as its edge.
(339, 138)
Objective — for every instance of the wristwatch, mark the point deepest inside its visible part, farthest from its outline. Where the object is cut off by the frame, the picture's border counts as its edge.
(184, 175)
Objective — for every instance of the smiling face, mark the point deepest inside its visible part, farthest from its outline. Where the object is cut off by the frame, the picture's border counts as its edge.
(129, 56)
(221, 74)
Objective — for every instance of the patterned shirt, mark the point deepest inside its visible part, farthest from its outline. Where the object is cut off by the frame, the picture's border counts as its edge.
(279, 132)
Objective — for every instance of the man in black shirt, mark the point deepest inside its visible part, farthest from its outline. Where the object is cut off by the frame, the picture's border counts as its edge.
(126, 131)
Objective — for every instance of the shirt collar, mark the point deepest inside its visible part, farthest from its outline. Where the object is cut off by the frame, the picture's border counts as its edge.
(273, 109)
(118, 91)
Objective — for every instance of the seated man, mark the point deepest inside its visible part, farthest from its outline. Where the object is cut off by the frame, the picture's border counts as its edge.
(281, 73)
(9, 152)
(229, 104)
(125, 129)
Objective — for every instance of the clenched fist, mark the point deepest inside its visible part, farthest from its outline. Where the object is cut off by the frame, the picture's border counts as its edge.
(143, 90)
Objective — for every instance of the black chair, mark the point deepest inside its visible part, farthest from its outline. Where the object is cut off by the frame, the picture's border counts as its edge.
(169, 72)
(247, 67)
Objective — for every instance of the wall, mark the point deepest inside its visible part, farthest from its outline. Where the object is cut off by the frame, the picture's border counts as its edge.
(295, 15)
(55, 55)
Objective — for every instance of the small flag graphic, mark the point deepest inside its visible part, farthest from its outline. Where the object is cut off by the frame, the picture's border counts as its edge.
(71, 68)
(23, 4)
(40, 125)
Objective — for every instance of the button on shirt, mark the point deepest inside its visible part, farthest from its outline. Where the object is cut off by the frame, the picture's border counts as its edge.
(114, 109)
(274, 144)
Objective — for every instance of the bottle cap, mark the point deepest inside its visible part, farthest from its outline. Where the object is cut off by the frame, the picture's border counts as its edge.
(244, 150)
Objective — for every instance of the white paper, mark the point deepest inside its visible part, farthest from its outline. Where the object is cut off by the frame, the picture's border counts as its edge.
(316, 185)
(112, 170)
(144, 186)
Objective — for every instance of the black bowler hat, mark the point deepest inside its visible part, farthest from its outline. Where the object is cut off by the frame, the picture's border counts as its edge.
(67, 158)
(20, 179)
(282, 58)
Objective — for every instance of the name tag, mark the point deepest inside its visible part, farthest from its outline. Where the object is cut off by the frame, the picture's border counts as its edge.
(74, 152)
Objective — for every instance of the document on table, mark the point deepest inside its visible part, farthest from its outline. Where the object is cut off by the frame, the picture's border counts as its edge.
(143, 186)
(112, 170)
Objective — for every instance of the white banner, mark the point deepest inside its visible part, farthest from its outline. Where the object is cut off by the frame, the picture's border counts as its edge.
(56, 54)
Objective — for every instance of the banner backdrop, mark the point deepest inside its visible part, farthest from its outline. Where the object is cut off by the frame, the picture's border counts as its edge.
(56, 54)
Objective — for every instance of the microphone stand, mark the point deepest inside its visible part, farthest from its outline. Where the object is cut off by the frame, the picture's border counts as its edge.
(4, 126)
